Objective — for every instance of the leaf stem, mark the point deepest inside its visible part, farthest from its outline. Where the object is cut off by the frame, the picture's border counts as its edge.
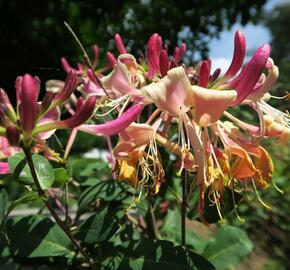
(41, 192)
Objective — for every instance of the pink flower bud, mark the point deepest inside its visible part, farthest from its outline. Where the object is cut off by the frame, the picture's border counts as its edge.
(204, 72)
(164, 63)
(46, 102)
(66, 66)
(96, 55)
(28, 106)
(111, 59)
(153, 50)
(215, 74)
(7, 106)
(119, 44)
(238, 56)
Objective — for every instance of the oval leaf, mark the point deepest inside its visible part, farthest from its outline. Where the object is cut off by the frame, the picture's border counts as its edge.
(36, 236)
(21, 171)
(228, 247)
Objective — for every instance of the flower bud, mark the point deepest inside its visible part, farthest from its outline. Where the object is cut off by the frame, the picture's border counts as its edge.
(163, 62)
(28, 107)
(70, 85)
(46, 102)
(119, 44)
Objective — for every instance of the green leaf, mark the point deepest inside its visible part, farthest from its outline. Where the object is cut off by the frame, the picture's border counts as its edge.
(228, 247)
(36, 236)
(61, 175)
(229, 200)
(32, 196)
(108, 190)
(154, 254)
(3, 202)
(21, 171)
(171, 231)
(98, 227)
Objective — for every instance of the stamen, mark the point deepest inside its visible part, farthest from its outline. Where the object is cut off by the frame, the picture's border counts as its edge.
(242, 220)
(259, 198)
(276, 187)
(218, 207)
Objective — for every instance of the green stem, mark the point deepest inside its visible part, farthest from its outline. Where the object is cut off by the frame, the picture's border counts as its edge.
(183, 208)
(41, 192)
(152, 219)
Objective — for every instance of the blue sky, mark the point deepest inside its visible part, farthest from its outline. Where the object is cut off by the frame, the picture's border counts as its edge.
(221, 49)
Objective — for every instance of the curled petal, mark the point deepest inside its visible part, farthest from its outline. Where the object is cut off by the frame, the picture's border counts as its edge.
(276, 130)
(119, 80)
(252, 73)
(210, 104)
(50, 117)
(173, 93)
(115, 126)
(243, 166)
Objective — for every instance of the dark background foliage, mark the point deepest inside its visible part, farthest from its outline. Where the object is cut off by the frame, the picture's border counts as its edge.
(33, 36)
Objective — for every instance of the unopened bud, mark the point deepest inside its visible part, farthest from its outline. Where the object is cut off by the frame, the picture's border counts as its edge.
(46, 102)
(4, 100)
(70, 85)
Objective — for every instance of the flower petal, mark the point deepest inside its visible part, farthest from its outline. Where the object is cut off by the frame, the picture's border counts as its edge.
(119, 80)
(173, 93)
(115, 126)
(210, 104)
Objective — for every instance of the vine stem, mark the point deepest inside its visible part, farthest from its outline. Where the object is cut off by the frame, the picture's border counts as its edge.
(41, 192)
(152, 216)
(183, 208)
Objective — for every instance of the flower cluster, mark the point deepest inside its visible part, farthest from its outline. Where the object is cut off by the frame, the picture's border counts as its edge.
(191, 115)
